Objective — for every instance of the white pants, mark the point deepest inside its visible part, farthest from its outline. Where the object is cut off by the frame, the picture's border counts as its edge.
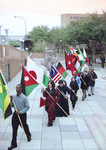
(90, 89)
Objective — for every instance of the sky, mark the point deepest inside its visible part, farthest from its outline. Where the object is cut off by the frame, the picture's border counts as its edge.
(45, 12)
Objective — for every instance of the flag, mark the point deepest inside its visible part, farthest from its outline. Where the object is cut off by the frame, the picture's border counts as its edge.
(61, 70)
(69, 65)
(34, 70)
(85, 55)
(4, 99)
(81, 58)
(72, 57)
(42, 101)
(55, 75)
(75, 60)
(45, 79)
(28, 82)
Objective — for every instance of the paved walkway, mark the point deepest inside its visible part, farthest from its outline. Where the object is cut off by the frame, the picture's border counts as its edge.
(84, 129)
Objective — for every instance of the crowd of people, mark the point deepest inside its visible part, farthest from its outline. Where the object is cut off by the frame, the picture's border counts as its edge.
(56, 104)
(54, 108)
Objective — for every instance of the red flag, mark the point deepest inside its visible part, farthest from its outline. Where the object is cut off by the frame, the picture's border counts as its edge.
(69, 65)
(28, 82)
(87, 60)
(42, 102)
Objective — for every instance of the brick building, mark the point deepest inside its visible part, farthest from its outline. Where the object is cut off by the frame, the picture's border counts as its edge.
(66, 18)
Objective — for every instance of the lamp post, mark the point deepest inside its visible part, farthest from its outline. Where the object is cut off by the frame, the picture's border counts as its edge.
(46, 52)
(6, 30)
(22, 44)
(60, 43)
(26, 52)
(3, 48)
(24, 21)
(0, 33)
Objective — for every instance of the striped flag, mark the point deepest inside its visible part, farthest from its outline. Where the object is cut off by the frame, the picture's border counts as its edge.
(4, 99)
(54, 75)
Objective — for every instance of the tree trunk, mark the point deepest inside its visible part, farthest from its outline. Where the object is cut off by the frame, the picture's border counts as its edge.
(93, 54)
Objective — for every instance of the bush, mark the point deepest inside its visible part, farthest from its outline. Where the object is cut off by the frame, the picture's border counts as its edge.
(39, 46)
(14, 43)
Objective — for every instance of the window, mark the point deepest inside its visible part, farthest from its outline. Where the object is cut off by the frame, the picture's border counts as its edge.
(71, 18)
(81, 17)
(75, 18)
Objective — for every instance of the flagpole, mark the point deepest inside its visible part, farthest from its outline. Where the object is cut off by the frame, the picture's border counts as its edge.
(55, 84)
(62, 93)
(47, 93)
(71, 87)
(14, 106)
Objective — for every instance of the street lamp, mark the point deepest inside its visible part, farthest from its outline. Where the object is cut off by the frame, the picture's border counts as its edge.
(6, 30)
(46, 52)
(26, 52)
(61, 43)
(22, 44)
(3, 48)
(24, 21)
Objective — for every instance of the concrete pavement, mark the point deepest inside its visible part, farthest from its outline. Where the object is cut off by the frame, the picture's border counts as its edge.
(84, 129)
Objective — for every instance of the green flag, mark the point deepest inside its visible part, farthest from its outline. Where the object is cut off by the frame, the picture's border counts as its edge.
(81, 58)
(4, 99)
(45, 79)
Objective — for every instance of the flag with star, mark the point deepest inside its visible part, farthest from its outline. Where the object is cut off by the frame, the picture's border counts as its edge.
(69, 65)
(29, 83)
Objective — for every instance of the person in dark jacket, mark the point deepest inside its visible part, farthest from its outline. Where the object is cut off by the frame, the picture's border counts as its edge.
(84, 83)
(63, 102)
(102, 60)
(50, 105)
(92, 77)
(74, 88)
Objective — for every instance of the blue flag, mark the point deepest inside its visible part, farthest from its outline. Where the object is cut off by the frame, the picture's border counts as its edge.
(54, 75)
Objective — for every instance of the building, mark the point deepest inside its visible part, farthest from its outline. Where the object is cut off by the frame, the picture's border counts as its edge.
(66, 18)
(10, 59)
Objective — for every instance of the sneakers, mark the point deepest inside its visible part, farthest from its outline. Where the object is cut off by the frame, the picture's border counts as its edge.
(89, 94)
(11, 147)
(92, 93)
(49, 125)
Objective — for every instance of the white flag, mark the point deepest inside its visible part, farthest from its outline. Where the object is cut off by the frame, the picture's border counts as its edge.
(34, 70)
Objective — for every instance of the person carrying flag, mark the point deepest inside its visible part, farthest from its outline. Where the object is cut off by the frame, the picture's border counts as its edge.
(22, 106)
(50, 104)
(77, 78)
(84, 84)
(63, 100)
(74, 88)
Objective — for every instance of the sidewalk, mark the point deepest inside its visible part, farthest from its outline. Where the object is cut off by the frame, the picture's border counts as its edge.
(84, 129)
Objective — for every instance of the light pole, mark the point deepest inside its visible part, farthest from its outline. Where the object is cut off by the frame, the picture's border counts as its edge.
(22, 44)
(6, 30)
(26, 52)
(24, 21)
(0, 33)
(61, 43)
(3, 48)
(46, 52)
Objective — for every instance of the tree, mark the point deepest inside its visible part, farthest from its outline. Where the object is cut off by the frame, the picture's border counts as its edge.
(55, 37)
(39, 33)
(90, 31)
(39, 46)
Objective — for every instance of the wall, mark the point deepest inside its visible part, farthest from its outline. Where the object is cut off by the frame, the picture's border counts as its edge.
(66, 18)
(13, 57)
(38, 55)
